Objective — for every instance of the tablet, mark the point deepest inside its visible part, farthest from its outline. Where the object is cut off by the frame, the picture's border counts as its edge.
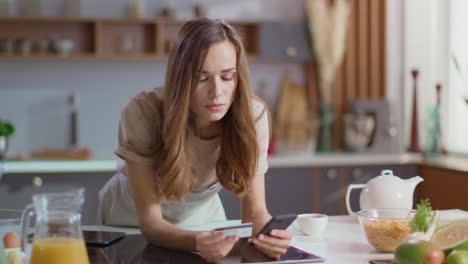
(96, 238)
(293, 255)
(101, 238)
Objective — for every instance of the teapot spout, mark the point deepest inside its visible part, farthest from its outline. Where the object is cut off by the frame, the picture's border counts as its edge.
(414, 181)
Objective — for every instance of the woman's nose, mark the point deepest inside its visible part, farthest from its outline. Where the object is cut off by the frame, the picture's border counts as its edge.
(216, 88)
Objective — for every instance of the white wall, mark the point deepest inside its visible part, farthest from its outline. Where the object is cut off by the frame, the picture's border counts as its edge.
(456, 114)
(425, 48)
(394, 66)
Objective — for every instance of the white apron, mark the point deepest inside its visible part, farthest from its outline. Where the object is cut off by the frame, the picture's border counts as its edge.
(116, 206)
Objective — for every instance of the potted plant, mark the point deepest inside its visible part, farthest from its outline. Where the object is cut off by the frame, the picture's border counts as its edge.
(6, 129)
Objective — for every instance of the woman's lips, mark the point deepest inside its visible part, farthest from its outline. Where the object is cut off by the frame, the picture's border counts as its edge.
(215, 107)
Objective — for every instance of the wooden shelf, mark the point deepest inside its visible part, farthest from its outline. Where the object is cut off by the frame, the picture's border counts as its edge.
(103, 38)
(82, 56)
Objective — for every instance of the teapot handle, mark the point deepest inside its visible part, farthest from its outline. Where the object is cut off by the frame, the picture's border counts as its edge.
(348, 193)
(25, 221)
(387, 173)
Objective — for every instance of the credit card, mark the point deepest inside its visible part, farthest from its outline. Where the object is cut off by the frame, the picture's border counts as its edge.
(242, 230)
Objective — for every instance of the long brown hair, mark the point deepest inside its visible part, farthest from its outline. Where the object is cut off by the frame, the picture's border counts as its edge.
(239, 151)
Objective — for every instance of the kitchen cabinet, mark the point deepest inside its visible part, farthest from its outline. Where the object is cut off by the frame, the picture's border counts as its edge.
(289, 190)
(16, 190)
(330, 190)
(444, 187)
(231, 204)
(139, 38)
(285, 41)
(286, 191)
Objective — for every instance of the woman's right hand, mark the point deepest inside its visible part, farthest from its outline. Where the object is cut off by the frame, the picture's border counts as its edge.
(213, 247)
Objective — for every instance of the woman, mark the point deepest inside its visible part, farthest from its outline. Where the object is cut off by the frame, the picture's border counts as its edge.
(181, 144)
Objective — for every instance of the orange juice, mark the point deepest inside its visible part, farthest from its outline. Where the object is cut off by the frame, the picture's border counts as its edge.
(59, 250)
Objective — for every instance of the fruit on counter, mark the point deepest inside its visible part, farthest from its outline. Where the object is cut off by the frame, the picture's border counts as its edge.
(21, 156)
(418, 249)
(11, 240)
(414, 251)
(12, 243)
(457, 257)
(452, 236)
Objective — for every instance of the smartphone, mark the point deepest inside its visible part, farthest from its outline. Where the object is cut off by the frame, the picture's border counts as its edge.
(278, 222)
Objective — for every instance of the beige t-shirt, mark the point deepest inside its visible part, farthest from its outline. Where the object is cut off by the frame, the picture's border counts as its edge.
(141, 120)
(139, 126)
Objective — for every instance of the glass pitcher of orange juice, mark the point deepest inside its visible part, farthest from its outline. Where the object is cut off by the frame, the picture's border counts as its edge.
(57, 232)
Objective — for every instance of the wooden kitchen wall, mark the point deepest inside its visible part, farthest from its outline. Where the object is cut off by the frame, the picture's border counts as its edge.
(362, 74)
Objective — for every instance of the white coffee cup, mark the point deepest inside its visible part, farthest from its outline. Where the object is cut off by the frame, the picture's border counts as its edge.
(313, 225)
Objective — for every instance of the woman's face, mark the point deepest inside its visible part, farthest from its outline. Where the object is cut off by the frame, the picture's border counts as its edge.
(213, 95)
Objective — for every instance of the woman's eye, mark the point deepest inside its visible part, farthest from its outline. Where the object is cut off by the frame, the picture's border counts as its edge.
(228, 77)
(203, 79)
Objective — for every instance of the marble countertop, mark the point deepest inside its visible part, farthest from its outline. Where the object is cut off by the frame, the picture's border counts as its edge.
(344, 240)
(278, 161)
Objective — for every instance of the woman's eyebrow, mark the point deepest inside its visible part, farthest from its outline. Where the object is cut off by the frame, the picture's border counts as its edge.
(223, 71)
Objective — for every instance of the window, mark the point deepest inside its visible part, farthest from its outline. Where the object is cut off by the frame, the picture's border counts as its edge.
(456, 118)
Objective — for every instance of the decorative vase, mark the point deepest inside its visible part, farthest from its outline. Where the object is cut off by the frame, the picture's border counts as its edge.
(434, 134)
(327, 120)
(414, 144)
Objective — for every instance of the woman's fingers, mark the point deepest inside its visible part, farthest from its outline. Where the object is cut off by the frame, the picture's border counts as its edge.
(275, 254)
(273, 247)
(213, 247)
(209, 238)
(275, 244)
(284, 234)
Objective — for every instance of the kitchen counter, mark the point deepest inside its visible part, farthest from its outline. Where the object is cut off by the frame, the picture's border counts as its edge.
(343, 159)
(278, 161)
(453, 163)
(344, 242)
(58, 166)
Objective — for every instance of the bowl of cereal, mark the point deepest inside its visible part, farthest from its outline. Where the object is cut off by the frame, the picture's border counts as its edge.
(386, 229)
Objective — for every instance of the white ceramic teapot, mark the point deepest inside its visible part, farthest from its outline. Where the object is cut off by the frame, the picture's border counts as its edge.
(385, 191)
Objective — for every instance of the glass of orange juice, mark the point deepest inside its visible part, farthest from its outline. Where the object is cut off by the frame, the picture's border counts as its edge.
(57, 233)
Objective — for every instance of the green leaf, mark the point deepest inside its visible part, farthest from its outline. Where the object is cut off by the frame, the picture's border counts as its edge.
(6, 129)
(420, 222)
(9, 129)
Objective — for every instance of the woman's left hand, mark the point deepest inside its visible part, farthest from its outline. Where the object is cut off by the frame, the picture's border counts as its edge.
(273, 245)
